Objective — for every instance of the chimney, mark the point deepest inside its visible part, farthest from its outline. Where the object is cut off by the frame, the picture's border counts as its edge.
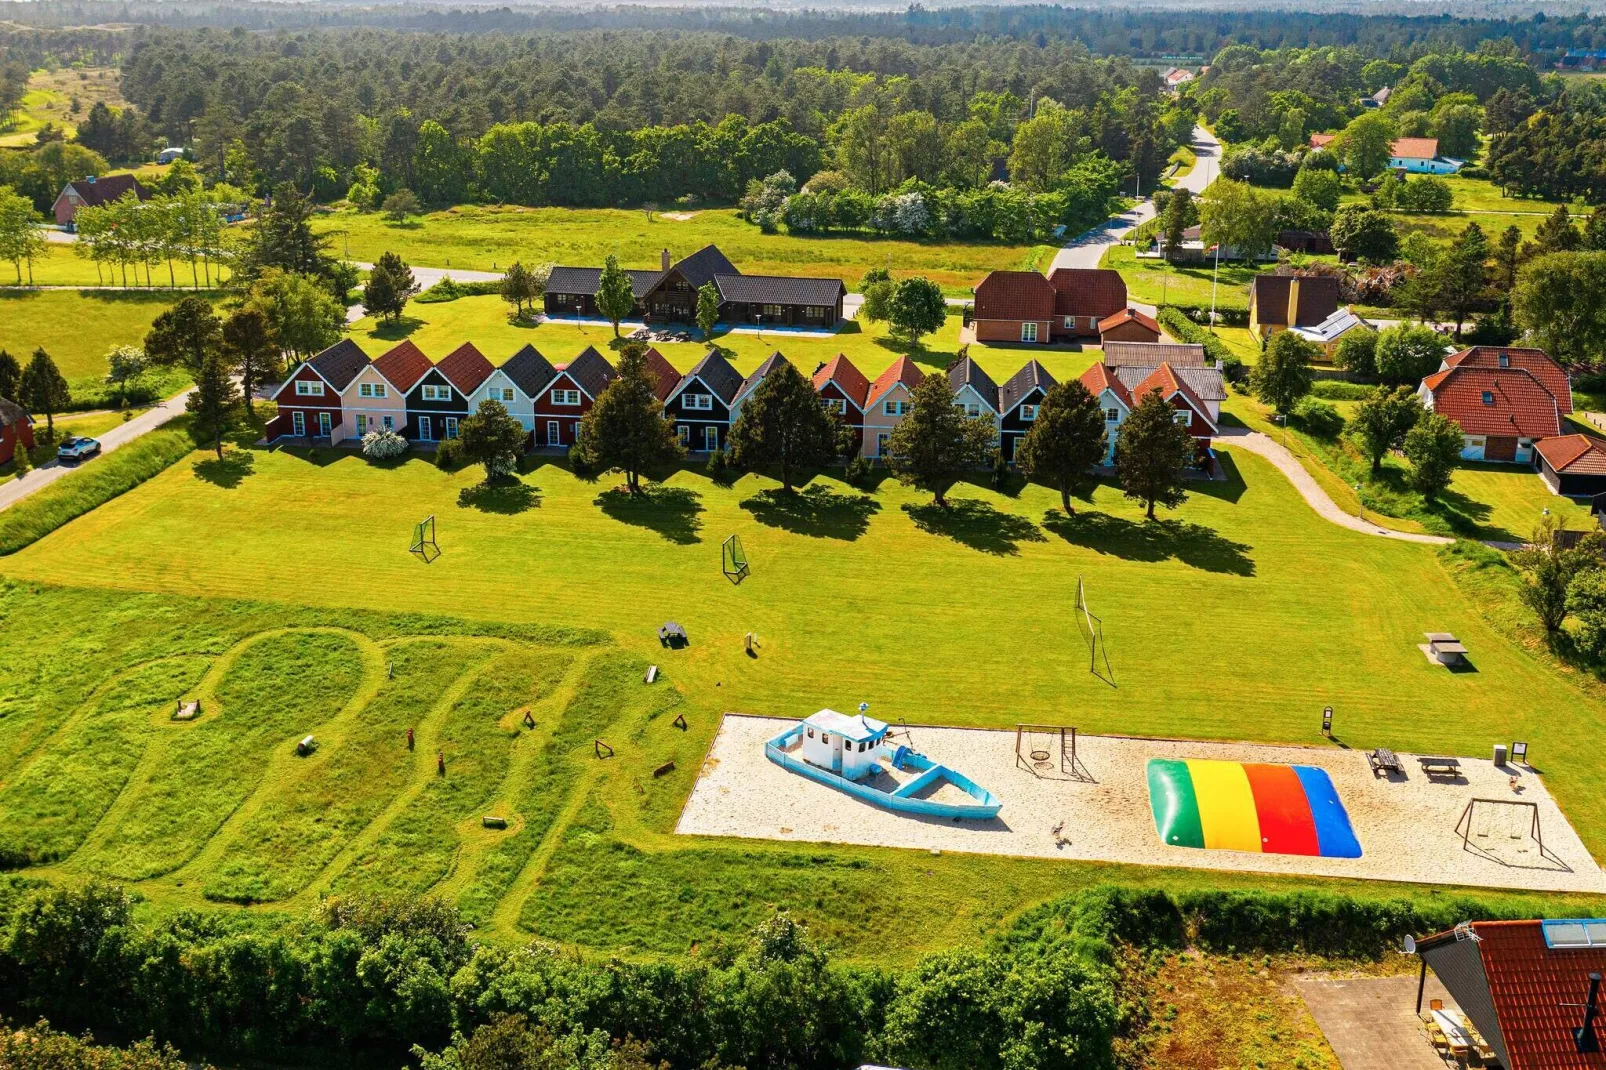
(1293, 301)
(663, 260)
(1584, 1039)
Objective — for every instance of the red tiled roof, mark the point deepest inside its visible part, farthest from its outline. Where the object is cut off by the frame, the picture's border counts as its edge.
(1576, 454)
(1170, 384)
(1099, 378)
(403, 365)
(1531, 985)
(1318, 141)
(1014, 295)
(903, 370)
(1493, 401)
(848, 378)
(466, 368)
(1128, 315)
(1414, 148)
(100, 191)
(1088, 291)
(664, 375)
(1552, 376)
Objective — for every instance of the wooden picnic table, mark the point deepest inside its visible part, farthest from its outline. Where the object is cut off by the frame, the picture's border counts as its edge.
(1455, 1031)
(1438, 764)
(1384, 760)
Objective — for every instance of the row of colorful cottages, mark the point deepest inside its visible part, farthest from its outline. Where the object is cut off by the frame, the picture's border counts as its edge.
(341, 394)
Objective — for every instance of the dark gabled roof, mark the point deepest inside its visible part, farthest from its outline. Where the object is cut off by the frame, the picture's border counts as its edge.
(591, 371)
(465, 368)
(779, 289)
(716, 373)
(1014, 295)
(1206, 383)
(340, 363)
(99, 191)
(703, 265)
(966, 372)
(1096, 292)
(1032, 376)
(584, 280)
(403, 365)
(1154, 354)
(664, 375)
(12, 414)
(529, 370)
(771, 362)
(1318, 299)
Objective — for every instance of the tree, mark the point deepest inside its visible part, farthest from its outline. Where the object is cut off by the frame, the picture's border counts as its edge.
(1408, 353)
(1362, 233)
(43, 389)
(1152, 454)
(185, 336)
(917, 307)
(399, 205)
(1179, 211)
(125, 366)
(282, 238)
(1507, 259)
(1237, 216)
(304, 318)
(936, 441)
(493, 438)
(1461, 275)
(1283, 374)
(21, 239)
(1586, 603)
(521, 287)
(390, 286)
(1357, 351)
(251, 350)
(1560, 301)
(615, 297)
(1066, 440)
(625, 428)
(782, 423)
(1366, 144)
(707, 310)
(1319, 188)
(1433, 447)
(1381, 421)
(878, 293)
(10, 373)
(1556, 234)
(214, 405)
(1549, 569)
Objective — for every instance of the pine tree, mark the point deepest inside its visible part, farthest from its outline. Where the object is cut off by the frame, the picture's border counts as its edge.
(783, 423)
(43, 389)
(1066, 440)
(625, 428)
(214, 404)
(1461, 275)
(390, 286)
(251, 350)
(521, 287)
(1152, 454)
(185, 336)
(615, 297)
(936, 441)
(1178, 211)
(1507, 257)
(10, 373)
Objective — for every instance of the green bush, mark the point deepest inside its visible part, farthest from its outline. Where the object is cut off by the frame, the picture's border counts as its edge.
(1179, 326)
(449, 289)
(1318, 417)
(93, 485)
(449, 454)
(1341, 390)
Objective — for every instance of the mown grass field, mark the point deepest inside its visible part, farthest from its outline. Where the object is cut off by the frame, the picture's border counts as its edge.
(50, 99)
(1155, 282)
(491, 238)
(78, 328)
(1240, 617)
(61, 266)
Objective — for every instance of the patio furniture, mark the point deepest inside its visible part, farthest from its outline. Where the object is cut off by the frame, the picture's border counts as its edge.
(1445, 648)
(672, 635)
(1437, 765)
(1383, 761)
(1456, 1034)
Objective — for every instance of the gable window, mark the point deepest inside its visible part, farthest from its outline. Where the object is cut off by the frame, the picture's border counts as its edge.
(501, 393)
(1182, 416)
(697, 402)
(1488, 397)
(1028, 412)
(436, 393)
(371, 390)
(895, 408)
(969, 408)
(565, 397)
(1112, 416)
(308, 390)
(1028, 332)
(836, 405)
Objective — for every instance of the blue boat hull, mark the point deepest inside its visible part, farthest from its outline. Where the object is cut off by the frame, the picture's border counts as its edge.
(902, 800)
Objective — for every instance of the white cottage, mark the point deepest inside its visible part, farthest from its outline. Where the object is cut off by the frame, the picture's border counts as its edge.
(844, 745)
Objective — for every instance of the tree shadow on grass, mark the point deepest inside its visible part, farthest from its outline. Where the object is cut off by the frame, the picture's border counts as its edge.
(397, 329)
(1153, 540)
(227, 473)
(976, 525)
(816, 512)
(1468, 517)
(506, 497)
(670, 511)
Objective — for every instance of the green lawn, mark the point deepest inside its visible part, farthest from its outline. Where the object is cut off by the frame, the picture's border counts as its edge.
(440, 328)
(1155, 282)
(62, 266)
(78, 329)
(490, 238)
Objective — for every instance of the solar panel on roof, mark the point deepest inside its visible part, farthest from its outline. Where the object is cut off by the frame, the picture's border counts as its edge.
(1564, 933)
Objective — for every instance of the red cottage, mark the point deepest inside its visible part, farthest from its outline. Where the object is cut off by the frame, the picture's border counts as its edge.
(569, 397)
(309, 400)
(15, 426)
(844, 390)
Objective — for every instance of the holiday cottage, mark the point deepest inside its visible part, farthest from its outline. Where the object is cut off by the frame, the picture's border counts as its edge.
(844, 390)
(975, 393)
(569, 396)
(1018, 401)
(887, 403)
(310, 404)
(700, 404)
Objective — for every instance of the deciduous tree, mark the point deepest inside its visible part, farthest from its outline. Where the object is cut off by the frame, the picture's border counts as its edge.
(1283, 374)
(303, 316)
(936, 441)
(1560, 300)
(917, 307)
(1408, 352)
(1153, 453)
(782, 423)
(625, 428)
(1067, 439)
(1362, 233)
(21, 239)
(1433, 447)
(185, 336)
(125, 366)
(707, 310)
(1549, 568)
(43, 389)
(522, 287)
(493, 438)
(615, 297)
(1381, 421)
(251, 350)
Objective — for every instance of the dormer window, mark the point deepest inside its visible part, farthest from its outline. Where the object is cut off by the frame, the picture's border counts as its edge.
(1488, 397)
(1505, 360)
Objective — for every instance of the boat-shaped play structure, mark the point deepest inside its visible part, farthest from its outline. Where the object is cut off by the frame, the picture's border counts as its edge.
(852, 755)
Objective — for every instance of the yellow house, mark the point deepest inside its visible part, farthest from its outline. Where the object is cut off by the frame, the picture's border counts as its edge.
(1278, 302)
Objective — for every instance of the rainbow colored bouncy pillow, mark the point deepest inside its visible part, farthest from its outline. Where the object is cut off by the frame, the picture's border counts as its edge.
(1249, 806)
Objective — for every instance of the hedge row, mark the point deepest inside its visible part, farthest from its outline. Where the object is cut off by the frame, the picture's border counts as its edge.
(1179, 326)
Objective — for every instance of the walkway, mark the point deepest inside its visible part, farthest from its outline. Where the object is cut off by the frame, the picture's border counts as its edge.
(15, 490)
(1318, 499)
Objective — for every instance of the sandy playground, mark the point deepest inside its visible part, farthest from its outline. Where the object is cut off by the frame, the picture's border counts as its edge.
(1406, 825)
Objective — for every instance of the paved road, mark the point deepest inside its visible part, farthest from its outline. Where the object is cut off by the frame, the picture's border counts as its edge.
(15, 490)
(1088, 249)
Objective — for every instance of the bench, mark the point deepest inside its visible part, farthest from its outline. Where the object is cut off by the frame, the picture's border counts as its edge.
(1445, 648)
(1383, 760)
(1434, 765)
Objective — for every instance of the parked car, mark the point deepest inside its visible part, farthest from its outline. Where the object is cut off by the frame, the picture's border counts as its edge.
(77, 449)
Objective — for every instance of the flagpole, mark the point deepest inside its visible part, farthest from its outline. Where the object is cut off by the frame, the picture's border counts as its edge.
(1214, 275)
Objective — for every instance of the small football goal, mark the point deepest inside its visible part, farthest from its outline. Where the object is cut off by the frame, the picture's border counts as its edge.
(1091, 628)
(733, 559)
(423, 545)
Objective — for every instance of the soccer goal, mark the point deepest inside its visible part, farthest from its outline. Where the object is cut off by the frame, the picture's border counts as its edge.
(1092, 629)
(733, 559)
(424, 545)
(1506, 831)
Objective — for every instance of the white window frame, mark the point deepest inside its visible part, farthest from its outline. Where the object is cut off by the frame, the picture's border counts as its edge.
(298, 424)
(710, 437)
(1183, 417)
(370, 390)
(451, 427)
(306, 388)
(1028, 413)
(554, 433)
(426, 429)
(437, 393)
(684, 431)
(326, 425)
(390, 423)
(362, 424)
(566, 397)
(697, 402)
(882, 440)
(1028, 331)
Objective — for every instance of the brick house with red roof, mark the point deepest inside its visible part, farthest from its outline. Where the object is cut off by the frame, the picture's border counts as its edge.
(844, 390)
(1552, 376)
(1531, 989)
(1083, 297)
(1014, 306)
(94, 192)
(1502, 411)
(1128, 325)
